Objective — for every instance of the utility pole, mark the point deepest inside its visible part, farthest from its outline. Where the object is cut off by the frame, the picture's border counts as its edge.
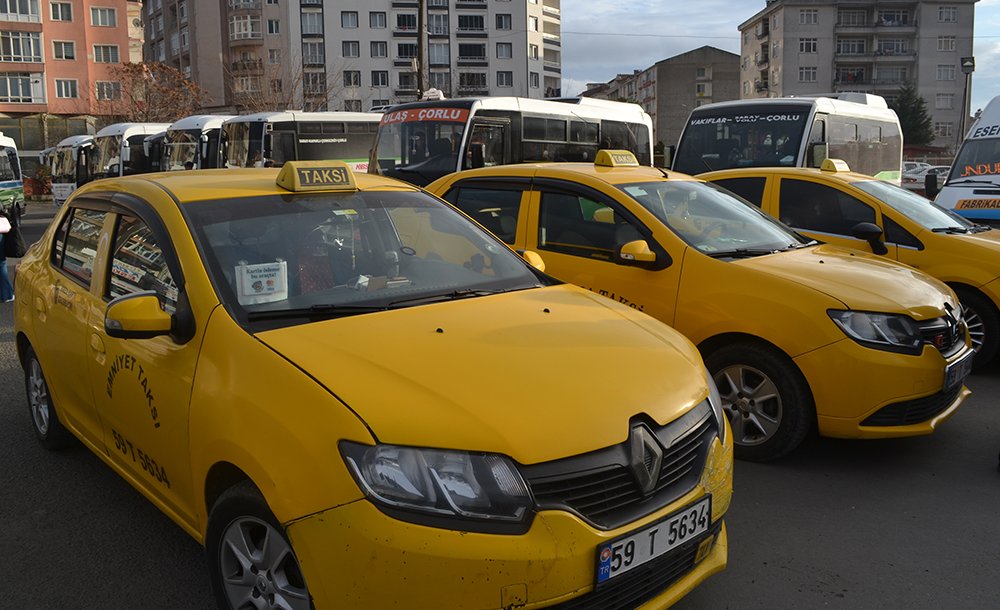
(421, 47)
(968, 67)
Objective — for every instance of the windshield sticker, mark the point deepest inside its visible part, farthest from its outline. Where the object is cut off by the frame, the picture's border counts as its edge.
(450, 115)
(981, 169)
(262, 283)
(636, 191)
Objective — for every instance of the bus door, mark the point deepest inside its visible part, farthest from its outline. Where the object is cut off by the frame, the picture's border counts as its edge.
(488, 144)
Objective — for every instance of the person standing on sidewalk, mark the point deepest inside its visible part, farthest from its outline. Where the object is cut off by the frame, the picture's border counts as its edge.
(6, 288)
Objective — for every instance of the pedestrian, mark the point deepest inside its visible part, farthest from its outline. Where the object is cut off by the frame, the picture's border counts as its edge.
(6, 288)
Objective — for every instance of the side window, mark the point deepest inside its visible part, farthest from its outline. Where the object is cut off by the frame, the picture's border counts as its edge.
(895, 234)
(577, 225)
(751, 189)
(495, 209)
(816, 207)
(138, 264)
(76, 246)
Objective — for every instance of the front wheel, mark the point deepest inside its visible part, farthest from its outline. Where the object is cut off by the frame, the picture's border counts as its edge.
(766, 398)
(984, 326)
(251, 561)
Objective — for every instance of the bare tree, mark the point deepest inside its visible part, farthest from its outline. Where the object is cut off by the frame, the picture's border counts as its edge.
(151, 93)
(258, 87)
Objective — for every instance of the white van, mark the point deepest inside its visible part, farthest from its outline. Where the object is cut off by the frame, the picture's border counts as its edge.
(973, 186)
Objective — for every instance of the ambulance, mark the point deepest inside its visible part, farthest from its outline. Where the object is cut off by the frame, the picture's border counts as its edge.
(973, 185)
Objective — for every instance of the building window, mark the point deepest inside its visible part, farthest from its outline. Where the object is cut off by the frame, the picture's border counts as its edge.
(15, 88)
(438, 54)
(380, 78)
(807, 74)
(348, 19)
(103, 17)
(351, 48)
(380, 48)
(888, 75)
(851, 46)
(533, 24)
(437, 24)
(472, 51)
(275, 2)
(948, 14)
(807, 45)
(407, 81)
(274, 56)
(276, 85)
(105, 53)
(944, 129)
(108, 90)
(700, 72)
(21, 46)
(273, 26)
(504, 22)
(850, 76)
(946, 72)
(474, 23)
(352, 78)
(893, 17)
(532, 51)
(472, 80)
(505, 50)
(64, 50)
(314, 83)
(406, 50)
(746, 88)
(944, 101)
(441, 80)
(376, 20)
(406, 23)
(505, 79)
(245, 27)
(66, 88)
(377, 103)
(313, 53)
(352, 105)
(892, 46)
(775, 49)
(946, 43)
(62, 11)
(851, 17)
(808, 16)
(699, 89)
(312, 24)
(533, 80)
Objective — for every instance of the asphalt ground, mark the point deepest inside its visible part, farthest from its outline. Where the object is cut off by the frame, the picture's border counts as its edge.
(907, 523)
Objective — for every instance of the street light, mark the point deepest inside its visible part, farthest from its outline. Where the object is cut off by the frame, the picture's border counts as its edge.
(968, 67)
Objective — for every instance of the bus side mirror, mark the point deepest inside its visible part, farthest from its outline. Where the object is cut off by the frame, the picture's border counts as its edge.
(819, 152)
(668, 155)
(478, 155)
(267, 146)
(931, 188)
(871, 233)
(126, 152)
(204, 146)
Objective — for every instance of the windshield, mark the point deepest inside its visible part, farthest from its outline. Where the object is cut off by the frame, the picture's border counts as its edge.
(978, 160)
(105, 158)
(182, 148)
(297, 257)
(743, 136)
(418, 150)
(64, 165)
(8, 165)
(243, 142)
(918, 209)
(710, 218)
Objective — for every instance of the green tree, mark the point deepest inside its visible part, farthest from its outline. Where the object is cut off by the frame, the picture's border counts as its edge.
(913, 117)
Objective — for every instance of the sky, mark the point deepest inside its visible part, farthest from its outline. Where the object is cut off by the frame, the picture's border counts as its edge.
(602, 38)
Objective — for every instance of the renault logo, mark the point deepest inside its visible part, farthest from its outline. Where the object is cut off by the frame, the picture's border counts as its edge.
(645, 458)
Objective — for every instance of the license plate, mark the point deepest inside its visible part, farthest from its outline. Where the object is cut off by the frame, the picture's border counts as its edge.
(956, 372)
(632, 550)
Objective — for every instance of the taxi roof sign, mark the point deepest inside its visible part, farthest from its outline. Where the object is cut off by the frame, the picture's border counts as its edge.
(834, 165)
(615, 158)
(316, 176)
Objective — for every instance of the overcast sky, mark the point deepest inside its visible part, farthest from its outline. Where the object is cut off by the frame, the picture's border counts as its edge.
(602, 38)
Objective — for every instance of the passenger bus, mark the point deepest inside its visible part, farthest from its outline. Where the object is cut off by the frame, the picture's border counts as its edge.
(119, 151)
(195, 140)
(69, 164)
(422, 141)
(793, 131)
(972, 188)
(11, 182)
(271, 138)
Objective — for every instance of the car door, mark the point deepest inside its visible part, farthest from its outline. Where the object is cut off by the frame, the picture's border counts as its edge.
(142, 387)
(499, 205)
(63, 304)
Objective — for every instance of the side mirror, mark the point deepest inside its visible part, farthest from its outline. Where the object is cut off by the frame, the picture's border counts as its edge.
(534, 259)
(137, 316)
(819, 152)
(871, 233)
(636, 252)
(126, 152)
(931, 188)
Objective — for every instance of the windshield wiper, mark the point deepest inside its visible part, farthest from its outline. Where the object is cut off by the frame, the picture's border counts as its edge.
(969, 181)
(464, 293)
(950, 230)
(321, 310)
(745, 252)
(979, 228)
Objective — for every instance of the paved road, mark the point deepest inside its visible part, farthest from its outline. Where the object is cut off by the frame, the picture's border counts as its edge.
(909, 523)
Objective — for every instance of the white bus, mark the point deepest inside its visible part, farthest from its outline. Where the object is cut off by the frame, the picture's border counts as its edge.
(422, 141)
(118, 149)
(194, 140)
(11, 181)
(267, 139)
(793, 131)
(972, 188)
(69, 165)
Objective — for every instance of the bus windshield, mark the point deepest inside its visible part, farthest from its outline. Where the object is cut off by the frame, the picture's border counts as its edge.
(419, 150)
(977, 158)
(64, 165)
(244, 142)
(106, 153)
(745, 136)
(182, 147)
(8, 165)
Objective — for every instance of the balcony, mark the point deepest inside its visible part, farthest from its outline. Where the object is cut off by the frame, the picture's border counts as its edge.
(551, 10)
(762, 61)
(313, 60)
(761, 35)
(473, 4)
(244, 5)
(761, 86)
(247, 65)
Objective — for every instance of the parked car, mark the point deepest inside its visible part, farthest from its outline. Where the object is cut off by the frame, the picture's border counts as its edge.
(912, 166)
(914, 180)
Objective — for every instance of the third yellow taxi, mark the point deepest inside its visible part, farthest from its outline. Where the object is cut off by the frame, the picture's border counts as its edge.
(838, 206)
(798, 335)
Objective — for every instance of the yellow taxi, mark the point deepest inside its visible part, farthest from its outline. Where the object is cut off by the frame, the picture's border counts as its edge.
(797, 335)
(835, 205)
(355, 397)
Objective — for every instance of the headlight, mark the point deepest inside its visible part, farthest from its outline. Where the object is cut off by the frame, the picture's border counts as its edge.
(890, 332)
(715, 401)
(452, 489)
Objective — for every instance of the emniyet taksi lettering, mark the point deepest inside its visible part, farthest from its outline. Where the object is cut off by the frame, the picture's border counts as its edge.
(127, 362)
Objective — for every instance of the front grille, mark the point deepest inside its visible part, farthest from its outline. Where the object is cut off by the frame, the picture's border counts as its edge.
(946, 334)
(641, 584)
(601, 488)
(911, 412)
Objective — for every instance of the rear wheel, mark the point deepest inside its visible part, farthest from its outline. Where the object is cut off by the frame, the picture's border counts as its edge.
(48, 429)
(766, 398)
(984, 325)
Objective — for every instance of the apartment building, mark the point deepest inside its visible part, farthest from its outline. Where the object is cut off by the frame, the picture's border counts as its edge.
(670, 88)
(804, 47)
(356, 54)
(56, 58)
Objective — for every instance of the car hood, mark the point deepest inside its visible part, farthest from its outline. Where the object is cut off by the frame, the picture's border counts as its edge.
(859, 280)
(537, 374)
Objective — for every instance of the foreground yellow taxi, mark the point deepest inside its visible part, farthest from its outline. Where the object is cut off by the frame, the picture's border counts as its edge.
(838, 206)
(796, 334)
(357, 398)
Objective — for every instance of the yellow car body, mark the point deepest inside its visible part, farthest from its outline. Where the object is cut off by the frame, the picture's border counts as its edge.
(775, 302)
(826, 204)
(402, 446)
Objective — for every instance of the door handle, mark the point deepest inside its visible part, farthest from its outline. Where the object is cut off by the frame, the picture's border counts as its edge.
(97, 343)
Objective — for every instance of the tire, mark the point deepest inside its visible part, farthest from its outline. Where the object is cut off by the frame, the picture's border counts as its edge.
(44, 419)
(984, 325)
(765, 396)
(243, 531)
